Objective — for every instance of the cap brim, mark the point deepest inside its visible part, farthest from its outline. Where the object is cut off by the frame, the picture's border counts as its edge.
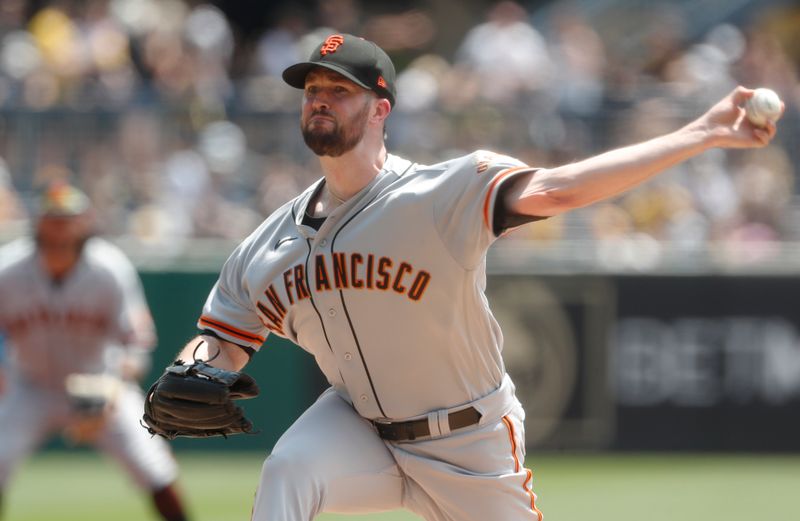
(295, 75)
(64, 211)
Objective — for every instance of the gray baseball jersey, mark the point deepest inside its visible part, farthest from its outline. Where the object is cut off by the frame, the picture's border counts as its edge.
(387, 295)
(78, 326)
(74, 327)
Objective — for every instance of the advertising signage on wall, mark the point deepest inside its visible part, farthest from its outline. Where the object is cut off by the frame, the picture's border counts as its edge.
(707, 363)
(654, 363)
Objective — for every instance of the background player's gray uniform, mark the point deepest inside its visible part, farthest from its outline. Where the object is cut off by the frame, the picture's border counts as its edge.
(82, 325)
(388, 297)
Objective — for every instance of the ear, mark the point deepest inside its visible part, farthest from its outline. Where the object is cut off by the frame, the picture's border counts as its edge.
(381, 110)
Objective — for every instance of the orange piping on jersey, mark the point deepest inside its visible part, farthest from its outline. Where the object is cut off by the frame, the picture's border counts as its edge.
(528, 474)
(495, 182)
(238, 333)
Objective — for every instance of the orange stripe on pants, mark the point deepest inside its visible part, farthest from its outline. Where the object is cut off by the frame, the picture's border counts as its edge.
(526, 485)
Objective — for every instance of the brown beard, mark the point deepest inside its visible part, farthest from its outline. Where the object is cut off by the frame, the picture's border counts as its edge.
(341, 139)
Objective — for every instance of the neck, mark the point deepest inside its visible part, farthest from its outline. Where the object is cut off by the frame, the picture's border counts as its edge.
(347, 174)
(58, 271)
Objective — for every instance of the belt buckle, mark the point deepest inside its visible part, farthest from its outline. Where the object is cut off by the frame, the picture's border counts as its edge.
(383, 426)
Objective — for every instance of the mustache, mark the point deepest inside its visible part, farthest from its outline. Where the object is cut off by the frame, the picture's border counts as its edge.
(321, 112)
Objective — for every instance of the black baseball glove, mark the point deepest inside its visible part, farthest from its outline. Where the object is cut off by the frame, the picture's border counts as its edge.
(196, 401)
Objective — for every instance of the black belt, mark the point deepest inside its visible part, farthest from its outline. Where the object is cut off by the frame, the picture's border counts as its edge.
(414, 429)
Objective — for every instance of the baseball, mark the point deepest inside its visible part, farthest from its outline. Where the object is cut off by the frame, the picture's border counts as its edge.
(764, 106)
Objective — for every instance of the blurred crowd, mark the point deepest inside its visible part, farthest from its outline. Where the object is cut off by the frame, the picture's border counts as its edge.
(176, 122)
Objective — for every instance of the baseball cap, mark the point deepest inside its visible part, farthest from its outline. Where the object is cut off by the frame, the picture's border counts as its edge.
(61, 199)
(357, 59)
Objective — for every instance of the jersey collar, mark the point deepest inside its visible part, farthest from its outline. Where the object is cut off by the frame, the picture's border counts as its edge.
(393, 164)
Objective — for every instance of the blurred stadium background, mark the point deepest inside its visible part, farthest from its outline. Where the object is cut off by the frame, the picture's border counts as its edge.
(664, 321)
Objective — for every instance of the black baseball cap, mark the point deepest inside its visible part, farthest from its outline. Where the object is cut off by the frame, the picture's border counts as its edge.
(357, 59)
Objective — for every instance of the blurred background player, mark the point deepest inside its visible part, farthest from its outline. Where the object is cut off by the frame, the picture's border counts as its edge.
(78, 335)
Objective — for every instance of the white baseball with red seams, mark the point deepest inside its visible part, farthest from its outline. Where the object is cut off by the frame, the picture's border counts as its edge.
(763, 106)
(388, 296)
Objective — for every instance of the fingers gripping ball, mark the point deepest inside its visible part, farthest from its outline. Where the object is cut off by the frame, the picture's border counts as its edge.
(196, 401)
(763, 106)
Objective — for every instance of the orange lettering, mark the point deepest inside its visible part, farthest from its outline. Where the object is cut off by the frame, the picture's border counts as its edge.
(340, 270)
(384, 264)
(287, 285)
(419, 285)
(323, 281)
(331, 44)
(404, 267)
(355, 260)
(272, 296)
(370, 267)
(272, 317)
(300, 282)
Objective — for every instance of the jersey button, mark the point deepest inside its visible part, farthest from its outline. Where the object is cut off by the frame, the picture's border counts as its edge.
(331, 312)
(323, 242)
(363, 398)
(348, 356)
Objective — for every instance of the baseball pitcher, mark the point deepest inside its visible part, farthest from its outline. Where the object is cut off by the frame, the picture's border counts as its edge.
(378, 271)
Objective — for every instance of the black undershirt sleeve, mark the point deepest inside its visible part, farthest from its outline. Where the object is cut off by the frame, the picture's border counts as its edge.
(505, 219)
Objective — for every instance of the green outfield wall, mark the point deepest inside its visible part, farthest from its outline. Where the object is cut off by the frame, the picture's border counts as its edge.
(600, 361)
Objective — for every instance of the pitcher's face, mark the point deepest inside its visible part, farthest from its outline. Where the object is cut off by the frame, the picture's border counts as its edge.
(335, 113)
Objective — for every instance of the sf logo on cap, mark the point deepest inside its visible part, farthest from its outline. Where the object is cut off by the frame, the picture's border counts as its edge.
(331, 44)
